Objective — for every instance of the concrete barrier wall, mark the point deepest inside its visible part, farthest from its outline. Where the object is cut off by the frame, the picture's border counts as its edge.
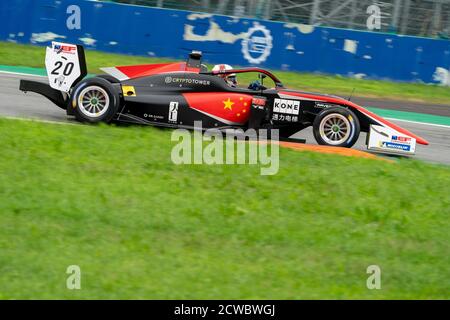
(157, 32)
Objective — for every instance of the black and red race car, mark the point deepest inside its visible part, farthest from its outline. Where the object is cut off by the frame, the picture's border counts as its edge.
(178, 94)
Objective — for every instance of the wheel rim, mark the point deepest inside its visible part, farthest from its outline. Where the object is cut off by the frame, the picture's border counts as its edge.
(93, 101)
(335, 129)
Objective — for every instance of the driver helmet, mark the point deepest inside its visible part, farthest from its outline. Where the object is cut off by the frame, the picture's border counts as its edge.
(230, 78)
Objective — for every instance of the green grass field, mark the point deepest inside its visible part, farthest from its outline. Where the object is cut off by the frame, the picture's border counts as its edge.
(111, 201)
(32, 56)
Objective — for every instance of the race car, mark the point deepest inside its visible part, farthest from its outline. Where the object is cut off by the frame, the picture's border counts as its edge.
(178, 94)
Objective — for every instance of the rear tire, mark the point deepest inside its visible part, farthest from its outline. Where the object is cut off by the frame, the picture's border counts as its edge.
(337, 126)
(95, 100)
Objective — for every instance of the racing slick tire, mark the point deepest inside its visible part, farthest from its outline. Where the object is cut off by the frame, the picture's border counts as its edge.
(95, 100)
(338, 127)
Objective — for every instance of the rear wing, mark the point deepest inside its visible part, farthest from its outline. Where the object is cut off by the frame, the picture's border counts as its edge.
(65, 64)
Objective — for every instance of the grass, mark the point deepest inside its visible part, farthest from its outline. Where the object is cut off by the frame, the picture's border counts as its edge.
(32, 56)
(110, 200)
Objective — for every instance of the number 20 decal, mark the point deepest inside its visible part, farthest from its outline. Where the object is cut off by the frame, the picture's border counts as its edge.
(67, 69)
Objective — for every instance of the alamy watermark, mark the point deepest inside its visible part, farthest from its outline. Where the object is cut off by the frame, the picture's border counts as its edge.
(373, 22)
(262, 147)
(374, 280)
(73, 281)
(73, 21)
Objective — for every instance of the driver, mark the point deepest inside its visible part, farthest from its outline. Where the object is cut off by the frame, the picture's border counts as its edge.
(229, 78)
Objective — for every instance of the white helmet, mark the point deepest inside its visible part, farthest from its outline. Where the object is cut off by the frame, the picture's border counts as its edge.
(230, 78)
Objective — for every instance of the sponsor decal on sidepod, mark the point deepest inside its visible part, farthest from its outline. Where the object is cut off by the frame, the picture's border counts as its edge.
(286, 106)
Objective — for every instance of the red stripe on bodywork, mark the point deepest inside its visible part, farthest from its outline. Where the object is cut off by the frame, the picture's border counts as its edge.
(364, 111)
(152, 69)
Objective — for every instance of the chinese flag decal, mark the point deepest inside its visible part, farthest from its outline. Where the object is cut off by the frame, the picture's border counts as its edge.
(228, 104)
(229, 108)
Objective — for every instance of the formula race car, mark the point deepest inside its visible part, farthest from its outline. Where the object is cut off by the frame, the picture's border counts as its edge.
(178, 94)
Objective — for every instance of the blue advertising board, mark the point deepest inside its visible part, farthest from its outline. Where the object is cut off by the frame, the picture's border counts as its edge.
(138, 30)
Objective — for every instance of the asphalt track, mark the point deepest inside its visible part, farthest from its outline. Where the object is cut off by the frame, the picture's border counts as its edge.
(14, 103)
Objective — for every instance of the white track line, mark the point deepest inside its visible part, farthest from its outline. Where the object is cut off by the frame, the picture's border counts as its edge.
(424, 123)
(22, 74)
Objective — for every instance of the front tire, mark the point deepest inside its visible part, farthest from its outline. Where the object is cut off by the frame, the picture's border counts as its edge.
(338, 127)
(95, 100)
